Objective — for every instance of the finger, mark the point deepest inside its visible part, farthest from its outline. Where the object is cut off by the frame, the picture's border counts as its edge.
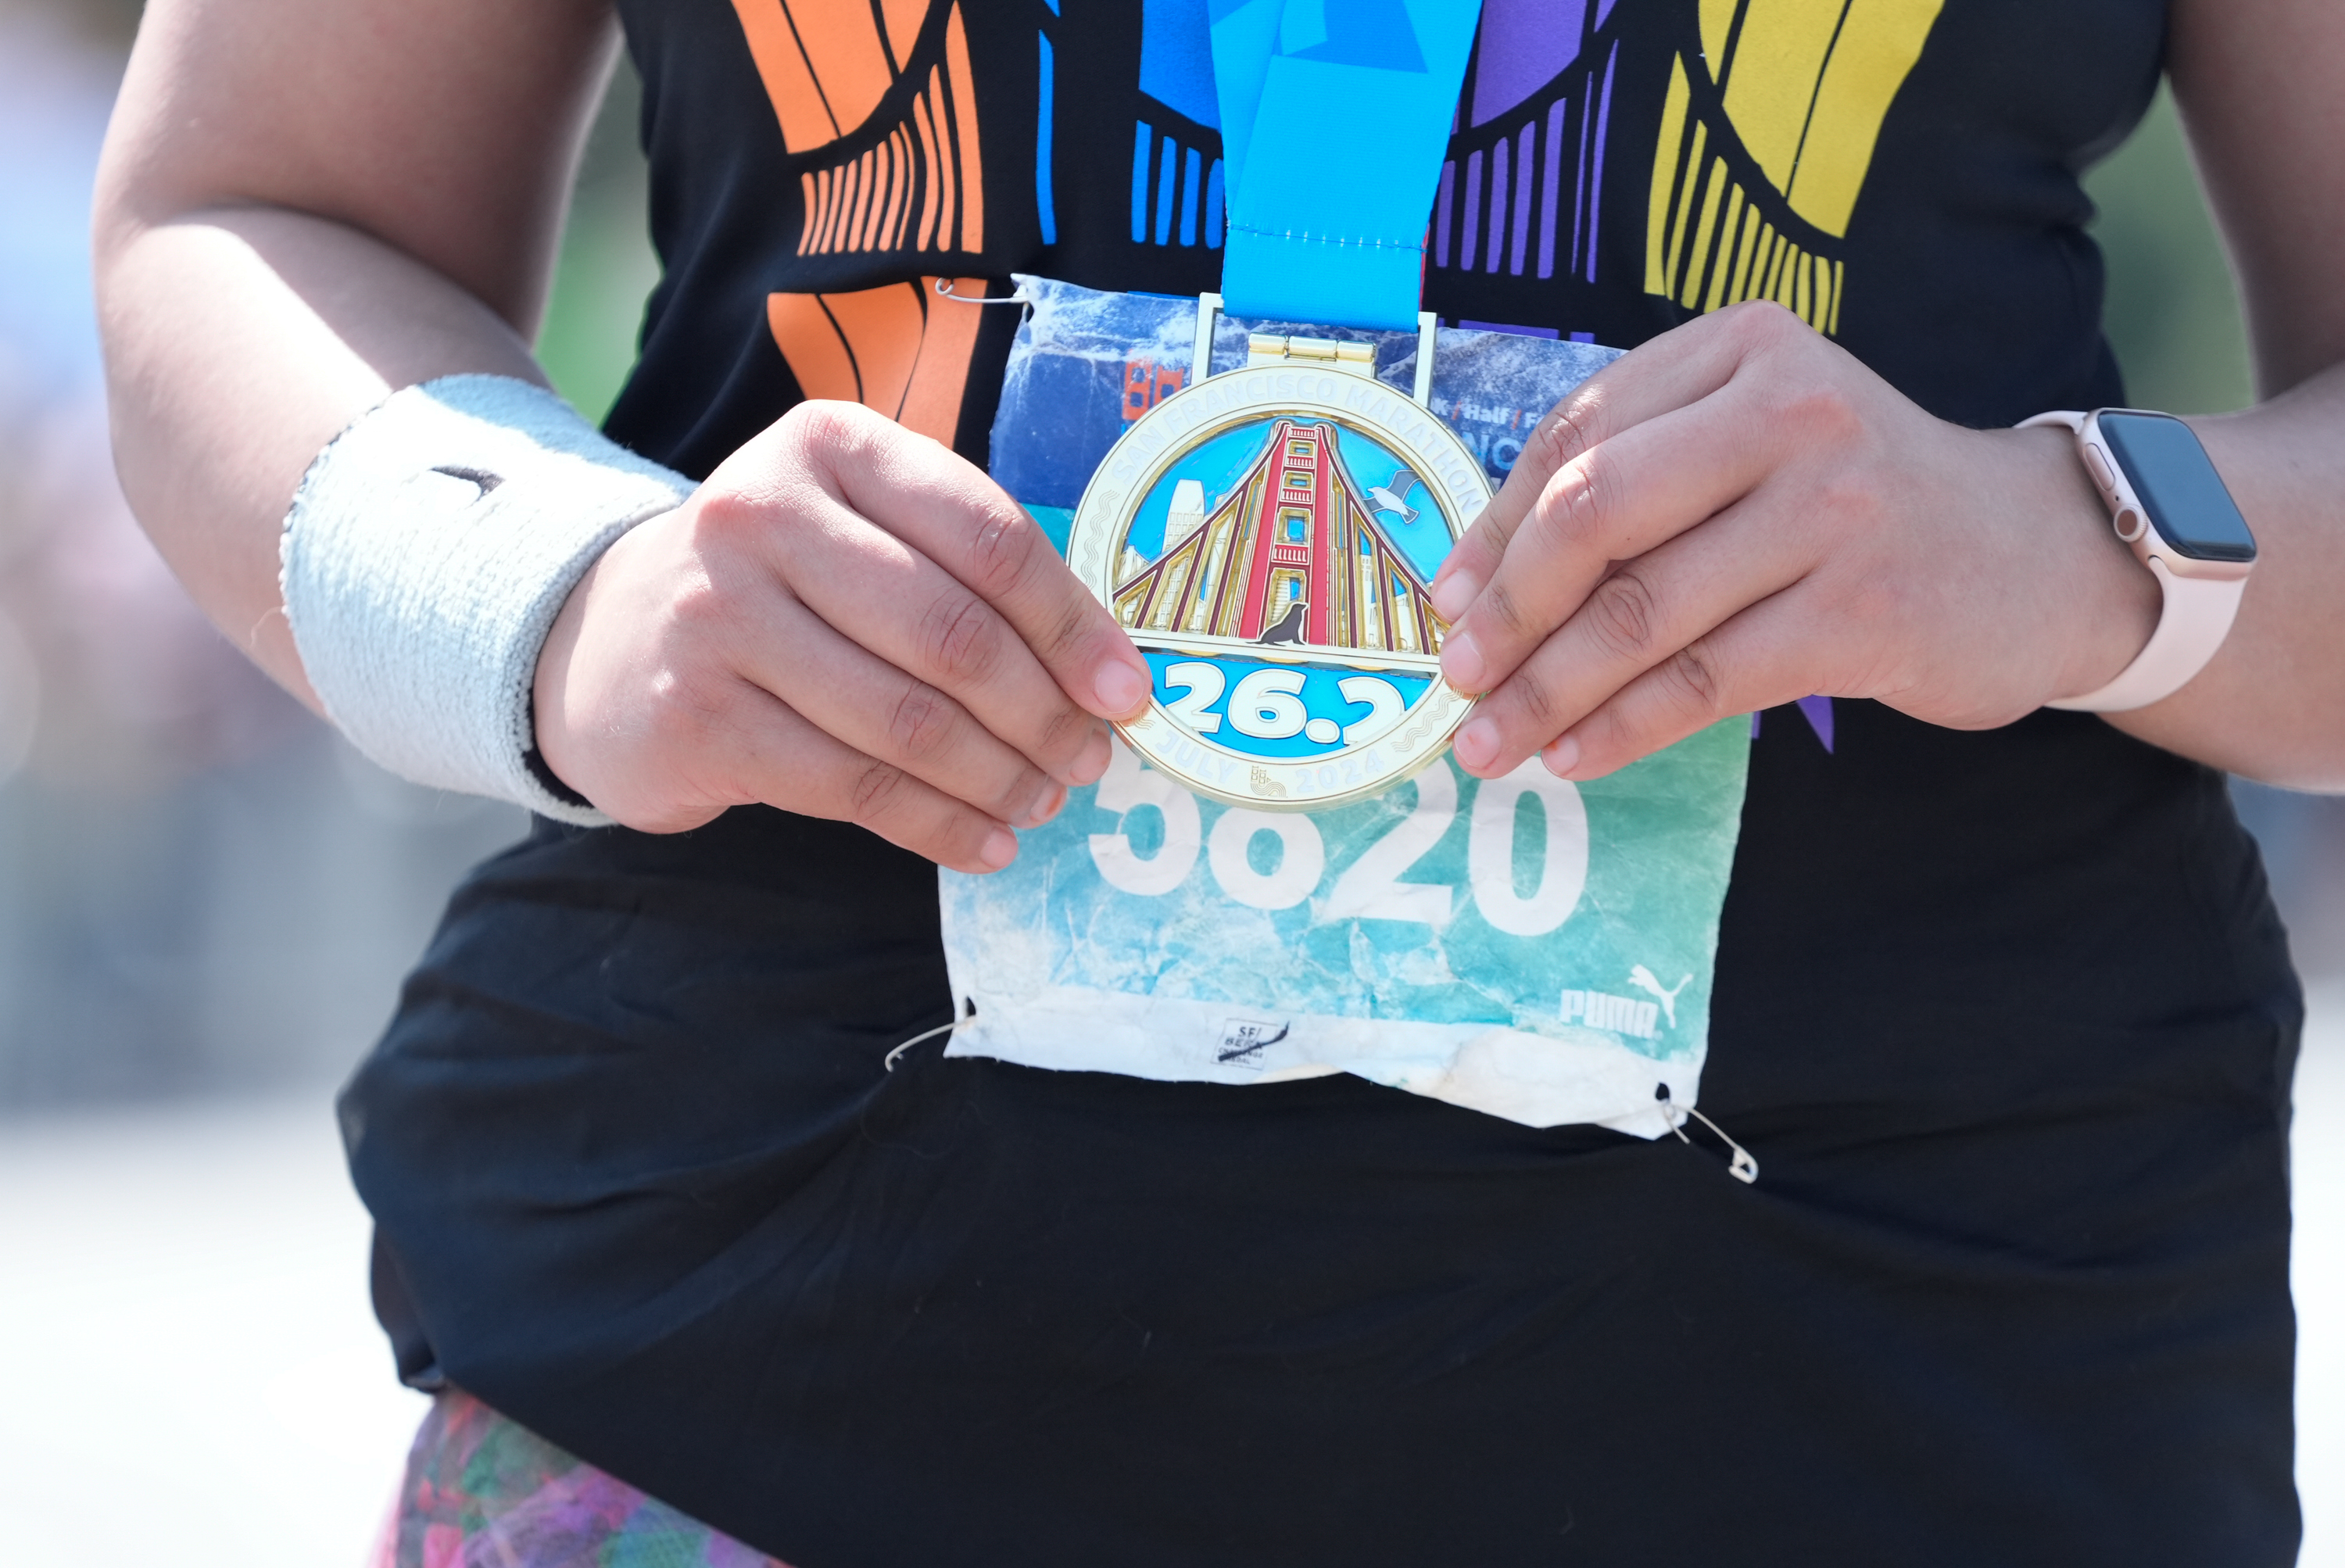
(893, 717)
(1634, 620)
(1678, 368)
(951, 513)
(882, 593)
(1757, 659)
(777, 757)
(1613, 503)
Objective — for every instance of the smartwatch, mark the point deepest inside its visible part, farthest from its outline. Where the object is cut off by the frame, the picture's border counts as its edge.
(2167, 500)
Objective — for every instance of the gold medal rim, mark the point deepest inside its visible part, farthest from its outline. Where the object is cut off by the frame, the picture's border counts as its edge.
(1453, 706)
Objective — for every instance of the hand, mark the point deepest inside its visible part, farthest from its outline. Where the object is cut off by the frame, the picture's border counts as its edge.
(848, 621)
(1739, 515)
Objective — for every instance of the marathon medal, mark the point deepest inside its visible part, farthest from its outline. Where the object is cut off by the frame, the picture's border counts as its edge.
(1268, 538)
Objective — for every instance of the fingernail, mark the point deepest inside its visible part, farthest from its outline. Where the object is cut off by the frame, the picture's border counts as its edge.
(1462, 665)
(1120, 688)
(1561, 756)
(1000, 849)
(1043, 807)
(1476, 745)
(1451, 597)
(1090, 765)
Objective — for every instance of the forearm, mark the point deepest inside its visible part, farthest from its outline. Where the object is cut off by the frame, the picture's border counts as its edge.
(2271, 704)
(2256, 84)
(304, 205)
(239, 343)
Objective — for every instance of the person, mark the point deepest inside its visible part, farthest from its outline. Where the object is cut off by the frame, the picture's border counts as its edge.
(2001, 1000)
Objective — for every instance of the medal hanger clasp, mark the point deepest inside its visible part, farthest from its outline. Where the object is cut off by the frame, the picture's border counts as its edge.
(1264, 348)
(1423, 391)
(1201, 358)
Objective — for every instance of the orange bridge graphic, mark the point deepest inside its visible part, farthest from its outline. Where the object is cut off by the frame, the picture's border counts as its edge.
(1293, 555)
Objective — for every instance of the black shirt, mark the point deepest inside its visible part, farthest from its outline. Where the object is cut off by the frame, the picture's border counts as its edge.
(2006, 1015)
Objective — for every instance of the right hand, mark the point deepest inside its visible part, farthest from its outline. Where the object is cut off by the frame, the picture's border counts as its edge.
(847, 620)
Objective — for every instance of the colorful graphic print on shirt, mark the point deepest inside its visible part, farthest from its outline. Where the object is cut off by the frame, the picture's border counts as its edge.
(1745, 128)
(879, 105)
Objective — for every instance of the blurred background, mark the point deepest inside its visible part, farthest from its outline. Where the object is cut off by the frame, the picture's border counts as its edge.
(207, 902)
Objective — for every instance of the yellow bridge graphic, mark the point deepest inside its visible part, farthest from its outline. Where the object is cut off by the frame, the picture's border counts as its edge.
(1766, 137)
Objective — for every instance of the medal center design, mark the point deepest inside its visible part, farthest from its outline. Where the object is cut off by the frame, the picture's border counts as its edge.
(1296, 553)
(1275, 572)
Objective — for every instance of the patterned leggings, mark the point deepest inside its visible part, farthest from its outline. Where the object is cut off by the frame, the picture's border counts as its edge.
(481, 1491)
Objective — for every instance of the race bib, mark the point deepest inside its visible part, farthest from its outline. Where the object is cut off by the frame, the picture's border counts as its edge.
(1528, 947)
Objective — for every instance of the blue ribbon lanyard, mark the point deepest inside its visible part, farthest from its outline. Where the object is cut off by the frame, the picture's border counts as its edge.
(1335, 115)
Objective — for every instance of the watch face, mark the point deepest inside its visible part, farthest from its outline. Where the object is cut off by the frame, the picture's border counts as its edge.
(2177, 484)
(1269, 538)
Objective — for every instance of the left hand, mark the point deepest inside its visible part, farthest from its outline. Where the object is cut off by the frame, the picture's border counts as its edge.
(1739, 515)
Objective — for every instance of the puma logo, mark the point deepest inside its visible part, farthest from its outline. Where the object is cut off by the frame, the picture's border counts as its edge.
(1626, 1014)
(1643, 980)
(1620, 1015)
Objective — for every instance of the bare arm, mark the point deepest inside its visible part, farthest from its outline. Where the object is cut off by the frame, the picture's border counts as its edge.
(2261, 87)
(1740, 513)
(305, 204)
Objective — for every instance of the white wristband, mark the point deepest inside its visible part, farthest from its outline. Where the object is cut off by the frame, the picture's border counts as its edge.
(427, 554)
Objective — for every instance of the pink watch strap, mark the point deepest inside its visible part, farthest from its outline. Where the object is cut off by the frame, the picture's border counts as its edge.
(2195, 618)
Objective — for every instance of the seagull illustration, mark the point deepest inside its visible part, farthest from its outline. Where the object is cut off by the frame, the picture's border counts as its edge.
(1395, 498)
(1642, 979)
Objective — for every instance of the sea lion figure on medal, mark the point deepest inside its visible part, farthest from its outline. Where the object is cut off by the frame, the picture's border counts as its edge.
(1268, 537)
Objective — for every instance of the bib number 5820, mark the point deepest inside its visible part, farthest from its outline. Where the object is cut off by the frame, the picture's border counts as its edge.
(1370, 887)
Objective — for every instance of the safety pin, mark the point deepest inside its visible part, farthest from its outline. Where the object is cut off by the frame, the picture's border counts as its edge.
(889, 1061)
(945, 287)
(1741, 1166)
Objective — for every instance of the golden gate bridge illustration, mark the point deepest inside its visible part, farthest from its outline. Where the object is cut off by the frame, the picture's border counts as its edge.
(1293, 556)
